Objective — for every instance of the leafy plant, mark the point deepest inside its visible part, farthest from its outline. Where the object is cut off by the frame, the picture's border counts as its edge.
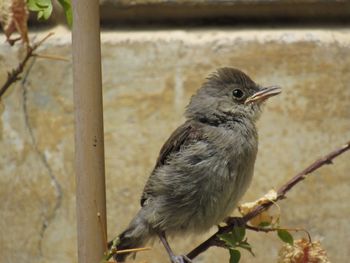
(44, 9)
(236, 239)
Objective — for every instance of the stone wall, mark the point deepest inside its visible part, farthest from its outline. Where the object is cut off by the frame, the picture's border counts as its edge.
(148, 78)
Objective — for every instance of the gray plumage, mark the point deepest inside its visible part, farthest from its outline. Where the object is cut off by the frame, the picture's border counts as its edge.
(205, 166)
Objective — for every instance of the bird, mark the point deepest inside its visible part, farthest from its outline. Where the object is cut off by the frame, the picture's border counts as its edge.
(205, 166)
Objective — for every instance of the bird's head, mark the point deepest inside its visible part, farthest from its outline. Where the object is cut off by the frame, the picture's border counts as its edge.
(229, 94)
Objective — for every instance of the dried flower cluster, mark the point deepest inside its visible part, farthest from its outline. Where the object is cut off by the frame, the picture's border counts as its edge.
(13, 18)
(303, 251)
(263, 217)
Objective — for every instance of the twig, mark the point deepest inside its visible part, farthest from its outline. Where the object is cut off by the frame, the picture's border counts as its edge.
(281, 194)
(269, 229)
(110, 253)
(124, 251)
(13, 76)
(52, 57)
(272, 229)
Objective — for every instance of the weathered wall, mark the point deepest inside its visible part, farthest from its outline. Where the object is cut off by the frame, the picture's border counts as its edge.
(148, 78)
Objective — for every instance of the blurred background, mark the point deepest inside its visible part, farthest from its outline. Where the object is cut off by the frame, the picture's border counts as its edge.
(155, 55)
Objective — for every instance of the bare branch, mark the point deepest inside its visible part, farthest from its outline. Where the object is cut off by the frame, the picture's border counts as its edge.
(14, 75)
(52, 57)
(281, 194)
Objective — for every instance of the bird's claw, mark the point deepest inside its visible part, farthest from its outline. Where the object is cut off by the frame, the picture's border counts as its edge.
(180, 259)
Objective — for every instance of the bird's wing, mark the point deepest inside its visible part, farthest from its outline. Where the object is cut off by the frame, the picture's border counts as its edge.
(182, 136)
(187, 132)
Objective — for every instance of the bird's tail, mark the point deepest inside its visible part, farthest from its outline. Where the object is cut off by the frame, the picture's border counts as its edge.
(135, 236)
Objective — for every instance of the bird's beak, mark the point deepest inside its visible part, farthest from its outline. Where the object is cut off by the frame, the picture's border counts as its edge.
(263, 94)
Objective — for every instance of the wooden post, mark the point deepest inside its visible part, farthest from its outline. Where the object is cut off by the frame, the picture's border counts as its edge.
(89, 143)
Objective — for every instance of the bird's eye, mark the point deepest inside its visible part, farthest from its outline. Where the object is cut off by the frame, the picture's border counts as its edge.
(237, 93)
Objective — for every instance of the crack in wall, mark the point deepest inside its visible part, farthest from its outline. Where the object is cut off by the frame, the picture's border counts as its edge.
(58, 188)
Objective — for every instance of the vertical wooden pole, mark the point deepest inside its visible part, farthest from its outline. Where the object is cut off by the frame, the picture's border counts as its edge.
(89, 144)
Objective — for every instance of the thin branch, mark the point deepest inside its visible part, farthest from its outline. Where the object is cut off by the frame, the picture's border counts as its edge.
(124, 251)
(110, 253)
(281, 194)
(52, 57)
(273, 229)
(13, 76)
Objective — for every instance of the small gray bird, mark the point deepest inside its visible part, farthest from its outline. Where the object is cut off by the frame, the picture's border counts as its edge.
(205, 166)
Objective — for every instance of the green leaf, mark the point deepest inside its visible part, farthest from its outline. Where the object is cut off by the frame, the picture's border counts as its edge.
(235, 256)
(245, 245)
(40, 14)
(45, 3)
(36, 5)
(233, 238)
(285, 236)
(239, 233)
(43, 7)
(229, 239)
(264, 224)
(67, 7)
(47, 12)
(32, 6)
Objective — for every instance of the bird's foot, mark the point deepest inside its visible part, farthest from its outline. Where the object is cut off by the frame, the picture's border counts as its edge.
(180, 259)
(173, 258)
(235, 221)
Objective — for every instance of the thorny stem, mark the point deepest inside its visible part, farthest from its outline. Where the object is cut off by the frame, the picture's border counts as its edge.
(281, 194)
(13, 76)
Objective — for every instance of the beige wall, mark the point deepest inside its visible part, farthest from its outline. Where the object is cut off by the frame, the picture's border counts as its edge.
(148, 78)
